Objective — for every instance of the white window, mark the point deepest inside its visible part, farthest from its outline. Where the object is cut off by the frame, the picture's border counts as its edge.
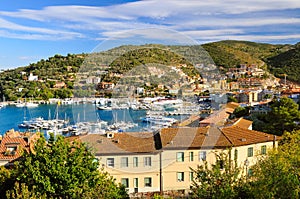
(147, 161)
(135, 182)
(191, 156)
(135, 162)
(202, 155)
(180, 176)
(148, 182)
(191, 176)
(110, 162)
(180, 157)
(125, 182)
(124, 162)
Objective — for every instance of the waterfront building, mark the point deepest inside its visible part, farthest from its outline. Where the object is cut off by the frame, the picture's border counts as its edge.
(161, 161)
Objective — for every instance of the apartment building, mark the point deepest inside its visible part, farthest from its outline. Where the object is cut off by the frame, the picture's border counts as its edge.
(161, 161)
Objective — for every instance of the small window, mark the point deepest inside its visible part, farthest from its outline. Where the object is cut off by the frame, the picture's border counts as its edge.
(148, 182)
(125, 182)
(135, 182)
(135, 162)
(147, 161)
(250, 152)
(236, 153)
(180, 157)
(191, 155)
(202, 155)
(191, 176)
(264, 150)
(110, 162)
(180, 176)
(124, 162)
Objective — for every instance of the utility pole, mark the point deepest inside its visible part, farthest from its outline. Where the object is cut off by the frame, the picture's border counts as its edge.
(160, 174)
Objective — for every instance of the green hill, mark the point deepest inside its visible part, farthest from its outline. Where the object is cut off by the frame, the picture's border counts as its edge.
(233, 53)
(14, 84)
(286, 63)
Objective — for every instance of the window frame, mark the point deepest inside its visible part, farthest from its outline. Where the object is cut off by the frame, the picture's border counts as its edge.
(180, 176)
(250, 152)
(147, 161)
(135, 161)
(180, 156)
(124, 164)
(191, 156)
(126, 184)
(149, 183)
(263, 150)
(202, 155)
(109, 164)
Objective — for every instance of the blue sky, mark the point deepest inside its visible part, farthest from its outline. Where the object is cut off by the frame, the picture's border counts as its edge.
(32, 30)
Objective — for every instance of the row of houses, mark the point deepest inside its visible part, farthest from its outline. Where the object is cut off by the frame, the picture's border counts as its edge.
(147, 162)
(162, 162)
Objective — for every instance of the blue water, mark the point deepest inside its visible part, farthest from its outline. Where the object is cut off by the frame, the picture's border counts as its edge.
(11, 116)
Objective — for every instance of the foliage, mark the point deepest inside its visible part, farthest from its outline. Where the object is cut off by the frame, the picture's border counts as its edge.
(14, 83)
(286, 63)
(241, 111)
(283, 116)
(61, 169)
(220, 180)
(147, 55)
(230, 53)
(278, 174)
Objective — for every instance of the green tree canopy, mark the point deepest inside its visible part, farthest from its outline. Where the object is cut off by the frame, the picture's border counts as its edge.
(64, 169)
(278, 174)
(221, 180)
(283, 116)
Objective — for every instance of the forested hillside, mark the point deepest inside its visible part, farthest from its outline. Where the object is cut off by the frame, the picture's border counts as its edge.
(56, 75)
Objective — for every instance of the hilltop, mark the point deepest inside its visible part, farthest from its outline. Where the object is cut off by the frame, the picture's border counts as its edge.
(55, 76)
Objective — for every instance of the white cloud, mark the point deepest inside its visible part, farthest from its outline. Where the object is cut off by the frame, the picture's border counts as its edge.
(194, 18)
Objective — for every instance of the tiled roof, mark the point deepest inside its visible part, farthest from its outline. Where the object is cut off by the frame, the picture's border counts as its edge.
(232, 105)
(120, 143)
(212, 137)
(174, 138)
(240, 136)
(17, 142)
(243, 123)
(218, 117)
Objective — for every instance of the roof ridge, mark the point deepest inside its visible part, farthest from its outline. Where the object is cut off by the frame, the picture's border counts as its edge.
(226, 136)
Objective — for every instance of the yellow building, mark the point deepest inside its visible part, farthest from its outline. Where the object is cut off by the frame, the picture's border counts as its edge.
(147, 162)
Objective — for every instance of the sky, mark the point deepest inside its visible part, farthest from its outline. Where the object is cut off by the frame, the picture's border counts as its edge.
(32, 30)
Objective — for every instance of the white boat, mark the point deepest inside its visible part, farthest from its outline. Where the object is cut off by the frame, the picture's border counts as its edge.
(107, 108)
(31, 104)
(20, 104)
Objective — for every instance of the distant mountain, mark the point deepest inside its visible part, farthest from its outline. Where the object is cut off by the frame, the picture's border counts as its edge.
(286, 63)
(57, 74)
(230, 53)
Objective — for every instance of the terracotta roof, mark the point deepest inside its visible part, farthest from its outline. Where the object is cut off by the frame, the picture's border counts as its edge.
(217, 117)
(173, 138)
(232, 105)
(8, 142)
(202, 137)
(121, 143)
(243, 123)
(240, 136)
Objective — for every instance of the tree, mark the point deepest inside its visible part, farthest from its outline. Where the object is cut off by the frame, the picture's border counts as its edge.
(223, 179)
(278, 174)
(61, 169)
(283, 116)
(241, 111)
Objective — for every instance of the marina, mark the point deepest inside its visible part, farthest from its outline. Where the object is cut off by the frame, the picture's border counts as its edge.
(78, 119)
